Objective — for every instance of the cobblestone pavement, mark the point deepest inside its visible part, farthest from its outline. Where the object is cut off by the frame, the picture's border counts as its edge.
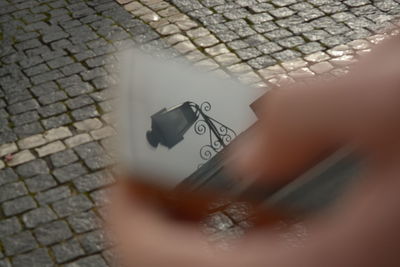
(55, 97)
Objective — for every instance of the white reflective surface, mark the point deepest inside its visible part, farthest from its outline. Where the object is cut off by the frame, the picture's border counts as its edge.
(149, 85)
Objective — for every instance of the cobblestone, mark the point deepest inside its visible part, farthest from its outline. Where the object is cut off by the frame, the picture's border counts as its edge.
(37, 258)
(72, 205)
(52, 233)
(19, 243)
(84, 222)
(9, 227)
(67, 251)
(53, 195)
(38, 216)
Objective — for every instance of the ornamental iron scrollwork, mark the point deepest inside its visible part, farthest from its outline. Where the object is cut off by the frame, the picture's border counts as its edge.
(220, 135)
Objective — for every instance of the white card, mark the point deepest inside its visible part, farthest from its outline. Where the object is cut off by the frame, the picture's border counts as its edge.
(147, 86)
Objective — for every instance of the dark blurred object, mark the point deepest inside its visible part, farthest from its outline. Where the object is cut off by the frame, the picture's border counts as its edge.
(169, 125)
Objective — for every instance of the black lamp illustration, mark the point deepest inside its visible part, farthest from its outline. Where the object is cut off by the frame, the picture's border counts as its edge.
(168, 126)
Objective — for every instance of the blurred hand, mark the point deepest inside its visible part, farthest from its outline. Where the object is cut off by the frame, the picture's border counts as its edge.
(297, 127)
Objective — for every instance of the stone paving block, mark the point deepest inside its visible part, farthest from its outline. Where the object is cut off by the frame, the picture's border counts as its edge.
(57, 133)
(67, 251)
(84, 222)
(28, 129)
(98, 162)
(31, 141)
(6, 149)
(261, 62)
(21, 157)
(38, 216)
(317, 57)
(79, 101)
(93, 181)
(56, 121)
(85, 113)
(89, 150)
(52, 233)
(71, 205)
(9, 227)
(52, 97)
(40, 183)
(69, 172)
(52, 109)
(7, 175)
(103, 133)
(90, 261)
(53, 195)
(101, 197)
(18, 205)
(23, 106)
(12, 190)
(184, 47)
(63, 158)
(37, 258)
(294, 64)
(24, 118)
(78, 140)
(321, 67)
(93, 242)
(19, 243)
(206, 41)
(33, 168)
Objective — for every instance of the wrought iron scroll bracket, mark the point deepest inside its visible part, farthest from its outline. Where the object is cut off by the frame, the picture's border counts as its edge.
(220, 135)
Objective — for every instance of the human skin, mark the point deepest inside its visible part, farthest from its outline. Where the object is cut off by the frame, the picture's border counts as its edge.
(298, 123)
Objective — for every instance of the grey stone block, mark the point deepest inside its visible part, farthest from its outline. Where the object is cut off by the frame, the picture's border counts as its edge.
(7, 176)
(72, 205)
(53, 195)
(52, 233)
(79, 89)
(69, 172)
(38, 216)
(52, 97)
(59, 62)
(9, 227)
(23, 106)
(46, 77)
(93, 242)
(28, 129)
(262, 62)
(84, 222)
(79, 101)
(18, 205)
(63, 158)
(56, 121)
(52, 109)
(67, 251)
(25, 118)
(85, 113)
(53, 36)
(32, 168)
(37, 258)
(40, 183)
(72, 69)
(13, 190)
(93, 181)
(19, 243)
